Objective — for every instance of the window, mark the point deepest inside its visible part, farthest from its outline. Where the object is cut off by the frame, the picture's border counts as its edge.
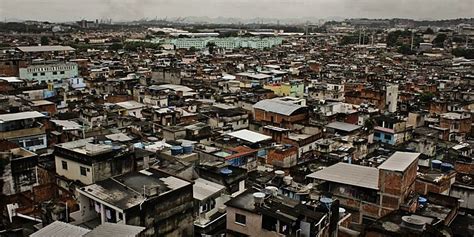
(34, 142)
(64, 164)
(42, 74)
(35, 74)
(388, 137)
(240, 219)
(62, 72)
(377, 134)
(55, 73)
(83, 171)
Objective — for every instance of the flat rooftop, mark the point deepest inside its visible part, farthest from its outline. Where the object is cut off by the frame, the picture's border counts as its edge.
(350, 174)
(203, 189)
(46, 48)
(126, 191)
(249, 136)
(20, 116)
(346, 127)
(399, 161)
(86, 146)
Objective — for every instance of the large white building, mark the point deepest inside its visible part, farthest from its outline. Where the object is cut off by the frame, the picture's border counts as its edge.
(49, 72)
(392, 98)
(226, 43)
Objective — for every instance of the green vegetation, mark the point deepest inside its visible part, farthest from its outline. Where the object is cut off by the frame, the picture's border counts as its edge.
(439, 40)
(134, 46)
(429, 31)
(463, 52)
(44, 40)
(426, 97)
(354, 39)
(116, 46)
(212, 47)
(405, 49)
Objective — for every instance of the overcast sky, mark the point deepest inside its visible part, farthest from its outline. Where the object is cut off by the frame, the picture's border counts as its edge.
(66, 10)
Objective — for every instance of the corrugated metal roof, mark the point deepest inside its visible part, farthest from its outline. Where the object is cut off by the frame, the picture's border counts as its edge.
(20, 116)
(115, 230)
(46, 48)
(355, 175)
(249, 136)
(399, 161)
(60, 229)
(277, 106)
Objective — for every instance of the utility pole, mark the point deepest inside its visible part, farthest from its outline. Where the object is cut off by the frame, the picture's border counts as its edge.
(412, 36)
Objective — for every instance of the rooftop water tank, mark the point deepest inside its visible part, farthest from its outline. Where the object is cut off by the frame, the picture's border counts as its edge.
(413, 222)
(446, 167)
(422, 201)
(342, 211)
(188, 149)
(226, 171)
(288, 180)
(436, 164)
(176, 150)
(272, 190)
(279, 173)
(327, 202)
(258, 198)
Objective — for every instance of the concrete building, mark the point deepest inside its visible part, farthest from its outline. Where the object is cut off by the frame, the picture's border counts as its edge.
(89, 160)
(226, 43)
(49, 72)
(370, 192)
(294, 88)
(391, 98)
(19, 173)
(459, 125)
(210, 197)
(391, 130)
(280, 111)
(228, 117)
(24, 129)
(254, 213)
(150, 198)
(131, 108)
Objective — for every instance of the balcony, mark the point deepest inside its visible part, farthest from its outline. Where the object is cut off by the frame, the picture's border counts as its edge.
(23, 132)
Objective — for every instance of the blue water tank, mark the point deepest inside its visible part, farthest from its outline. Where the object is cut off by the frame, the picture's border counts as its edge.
(188, 149)
(176, 150)
(446, 167)
(422, 201)
(226, 171)
(436, 164)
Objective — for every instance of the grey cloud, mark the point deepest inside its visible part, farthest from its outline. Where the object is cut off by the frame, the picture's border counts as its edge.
(66, 10)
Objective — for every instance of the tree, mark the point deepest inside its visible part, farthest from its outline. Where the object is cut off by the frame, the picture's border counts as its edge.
(429, 31)
(44, 40)
(405, 49)
(116, 46)
(212, 47)
(439, 40)
(462, 52)
(426, 97)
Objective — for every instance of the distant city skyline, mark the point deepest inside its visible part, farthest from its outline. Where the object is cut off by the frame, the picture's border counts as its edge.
(126, 10)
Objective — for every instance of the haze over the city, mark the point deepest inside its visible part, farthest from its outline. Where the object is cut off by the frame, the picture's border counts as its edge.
(67, 10)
